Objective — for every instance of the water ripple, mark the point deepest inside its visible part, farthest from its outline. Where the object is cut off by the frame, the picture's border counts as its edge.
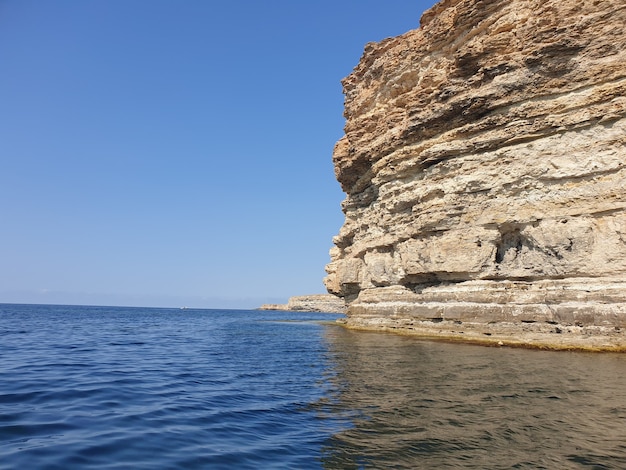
(433, 405)
(110, 388)
(143, 388)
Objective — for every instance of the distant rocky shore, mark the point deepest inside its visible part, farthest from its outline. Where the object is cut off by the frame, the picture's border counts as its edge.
(484, 166)
(326, 303)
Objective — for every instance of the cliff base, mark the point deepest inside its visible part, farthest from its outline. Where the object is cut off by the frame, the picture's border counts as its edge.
(570, 314)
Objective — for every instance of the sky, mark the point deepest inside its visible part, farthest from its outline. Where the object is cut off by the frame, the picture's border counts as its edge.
(167, 153)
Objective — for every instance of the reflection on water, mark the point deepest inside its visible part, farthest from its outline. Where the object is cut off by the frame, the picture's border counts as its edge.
(418, 404)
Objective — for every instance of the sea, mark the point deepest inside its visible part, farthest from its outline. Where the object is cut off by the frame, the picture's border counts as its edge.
(148, 388)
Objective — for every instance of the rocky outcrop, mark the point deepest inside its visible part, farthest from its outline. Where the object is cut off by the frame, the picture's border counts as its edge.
(325, 303)
(484, 162)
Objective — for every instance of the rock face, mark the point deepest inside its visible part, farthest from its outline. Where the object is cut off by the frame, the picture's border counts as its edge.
(484, 162)
(325, 303)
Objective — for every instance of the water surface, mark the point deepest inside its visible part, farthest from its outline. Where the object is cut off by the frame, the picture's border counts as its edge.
(420, 404)
(111, 387)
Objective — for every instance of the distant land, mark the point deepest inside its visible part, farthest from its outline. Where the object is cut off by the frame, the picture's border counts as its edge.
(325, 303)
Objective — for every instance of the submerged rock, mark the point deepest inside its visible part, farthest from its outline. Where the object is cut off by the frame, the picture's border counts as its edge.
(484, 162)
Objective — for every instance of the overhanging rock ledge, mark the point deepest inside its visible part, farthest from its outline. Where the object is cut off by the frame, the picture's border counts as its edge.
(484, 163)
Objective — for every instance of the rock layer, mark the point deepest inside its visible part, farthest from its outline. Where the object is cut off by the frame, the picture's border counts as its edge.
(484, 162)
(325, 303)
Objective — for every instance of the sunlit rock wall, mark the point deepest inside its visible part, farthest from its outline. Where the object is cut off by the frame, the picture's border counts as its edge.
(484, 162)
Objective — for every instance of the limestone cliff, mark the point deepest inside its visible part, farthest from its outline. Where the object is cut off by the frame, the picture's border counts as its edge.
(325, 303)
(484, 162)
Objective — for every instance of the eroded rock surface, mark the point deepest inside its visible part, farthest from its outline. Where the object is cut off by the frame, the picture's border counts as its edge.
(484, 162)
(325, 303)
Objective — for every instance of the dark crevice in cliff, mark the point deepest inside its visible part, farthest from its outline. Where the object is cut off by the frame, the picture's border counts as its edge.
(357, 200)
(418, 282)
(417, 286)
(513, 244)
(510, 244)
(556, 59)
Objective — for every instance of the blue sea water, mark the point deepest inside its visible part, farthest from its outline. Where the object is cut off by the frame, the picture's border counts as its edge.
(141, 388)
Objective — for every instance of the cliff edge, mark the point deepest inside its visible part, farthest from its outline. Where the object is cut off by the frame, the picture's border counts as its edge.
(484, 163)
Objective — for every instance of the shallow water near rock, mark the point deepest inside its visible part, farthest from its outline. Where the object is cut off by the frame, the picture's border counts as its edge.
(111, 387)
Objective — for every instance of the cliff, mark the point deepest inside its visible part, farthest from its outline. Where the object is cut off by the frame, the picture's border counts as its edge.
(484, 163)
(325, 303)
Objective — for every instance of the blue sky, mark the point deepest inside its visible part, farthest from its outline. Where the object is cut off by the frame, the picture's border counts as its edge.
(170, 153)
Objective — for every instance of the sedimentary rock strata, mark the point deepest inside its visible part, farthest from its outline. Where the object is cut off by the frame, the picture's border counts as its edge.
(326, 303)
(484, 162)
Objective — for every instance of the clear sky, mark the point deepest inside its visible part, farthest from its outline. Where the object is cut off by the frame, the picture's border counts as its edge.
(175, 153)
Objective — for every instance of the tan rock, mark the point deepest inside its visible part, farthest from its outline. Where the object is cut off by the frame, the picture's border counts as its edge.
(484, 162)
(325, 303)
